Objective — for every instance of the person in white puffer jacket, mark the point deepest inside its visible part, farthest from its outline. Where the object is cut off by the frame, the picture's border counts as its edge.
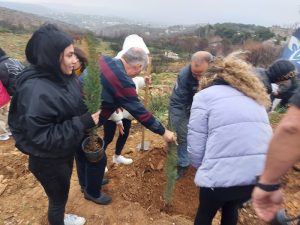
(122, 119)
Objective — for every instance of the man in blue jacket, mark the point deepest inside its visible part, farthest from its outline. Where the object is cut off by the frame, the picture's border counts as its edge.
(181, 100)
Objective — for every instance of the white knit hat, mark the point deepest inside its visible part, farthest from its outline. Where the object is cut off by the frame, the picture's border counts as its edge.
(130, 41)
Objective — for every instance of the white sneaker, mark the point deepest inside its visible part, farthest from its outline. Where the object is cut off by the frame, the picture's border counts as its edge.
(119, 159)
(8, 132)
(4, 137)
(71, 219)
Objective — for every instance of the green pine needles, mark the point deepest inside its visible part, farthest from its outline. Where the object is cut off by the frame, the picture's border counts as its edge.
(170, 168)
(92, 87)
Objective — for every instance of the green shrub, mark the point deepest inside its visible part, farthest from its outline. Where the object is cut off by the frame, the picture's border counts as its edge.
(159, 105)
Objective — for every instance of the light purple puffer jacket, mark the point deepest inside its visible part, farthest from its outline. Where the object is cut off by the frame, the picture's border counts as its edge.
(228, 137)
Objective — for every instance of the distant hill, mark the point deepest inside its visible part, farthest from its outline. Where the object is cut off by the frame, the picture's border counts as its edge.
(93, 23)
(17, 21)
(101, 25)
(26, 7)
(116, 28)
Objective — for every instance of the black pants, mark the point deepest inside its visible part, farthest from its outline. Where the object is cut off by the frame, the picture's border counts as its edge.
(228, 199)
(90, 175)
(109, 133)
(54, 176)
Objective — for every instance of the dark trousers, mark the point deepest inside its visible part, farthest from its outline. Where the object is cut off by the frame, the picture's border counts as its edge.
(54, 175)
(228, 199)
(109, 133)
(90, 175)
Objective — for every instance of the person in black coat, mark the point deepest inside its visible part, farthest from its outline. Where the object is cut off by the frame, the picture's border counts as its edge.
(10, 68)
(283, 73)
(48, 118)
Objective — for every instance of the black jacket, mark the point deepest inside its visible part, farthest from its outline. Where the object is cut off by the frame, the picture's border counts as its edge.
(295, 100)
(47, 117)
(262, 75)
(284, 94)
(182, 95)
(9, 70)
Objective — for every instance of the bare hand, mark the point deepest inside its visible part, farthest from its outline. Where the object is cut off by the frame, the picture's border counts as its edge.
(266, 204)
(169, 136)
(121, 128)
(148, 79)
(95, 117)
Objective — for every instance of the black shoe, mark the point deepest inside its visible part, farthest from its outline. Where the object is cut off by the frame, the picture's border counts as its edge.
(104, 182)
(181, 171)
(104, 199)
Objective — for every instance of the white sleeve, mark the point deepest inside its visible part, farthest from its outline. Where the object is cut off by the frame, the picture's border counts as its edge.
(116, 117)
(139, 83)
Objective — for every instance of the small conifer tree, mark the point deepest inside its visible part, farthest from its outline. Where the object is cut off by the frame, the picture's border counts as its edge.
(170, 167)
(92, 87)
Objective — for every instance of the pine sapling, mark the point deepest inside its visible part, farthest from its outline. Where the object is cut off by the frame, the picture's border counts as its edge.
(92, 87)
(170, 167)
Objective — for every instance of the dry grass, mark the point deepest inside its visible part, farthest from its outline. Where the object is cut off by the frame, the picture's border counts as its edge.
(14, 44)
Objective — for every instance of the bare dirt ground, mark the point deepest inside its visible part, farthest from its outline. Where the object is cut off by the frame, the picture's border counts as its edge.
(137, 191)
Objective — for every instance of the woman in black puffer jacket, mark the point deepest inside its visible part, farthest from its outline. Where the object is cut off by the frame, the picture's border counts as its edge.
(48, 118)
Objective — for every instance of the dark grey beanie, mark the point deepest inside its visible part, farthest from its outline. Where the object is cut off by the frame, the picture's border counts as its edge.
(280, 70)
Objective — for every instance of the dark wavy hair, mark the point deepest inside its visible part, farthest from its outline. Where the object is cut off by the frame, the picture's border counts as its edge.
(44, 48)
(82, 58)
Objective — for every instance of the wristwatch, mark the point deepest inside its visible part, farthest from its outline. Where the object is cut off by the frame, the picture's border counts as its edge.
(268, 187)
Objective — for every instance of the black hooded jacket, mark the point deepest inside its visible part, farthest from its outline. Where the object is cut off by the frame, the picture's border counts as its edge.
(47, 117)
(9, 70)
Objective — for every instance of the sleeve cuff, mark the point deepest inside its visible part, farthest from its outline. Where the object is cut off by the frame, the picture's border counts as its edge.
(87, 120)
(162, 131)
(119, 122)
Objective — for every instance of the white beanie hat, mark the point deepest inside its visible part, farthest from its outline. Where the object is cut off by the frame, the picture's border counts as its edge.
(130, 41)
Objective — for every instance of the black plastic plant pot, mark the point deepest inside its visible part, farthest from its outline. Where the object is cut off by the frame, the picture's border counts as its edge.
(97, 154)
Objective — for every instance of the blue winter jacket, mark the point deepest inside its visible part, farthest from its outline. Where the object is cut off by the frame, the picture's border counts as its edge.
(182, 95)
(228, 136)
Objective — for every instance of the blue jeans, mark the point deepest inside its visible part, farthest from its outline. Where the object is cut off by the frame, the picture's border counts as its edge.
(90, 175)
(180, 126)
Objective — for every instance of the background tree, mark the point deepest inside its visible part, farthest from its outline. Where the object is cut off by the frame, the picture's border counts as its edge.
(262, 55)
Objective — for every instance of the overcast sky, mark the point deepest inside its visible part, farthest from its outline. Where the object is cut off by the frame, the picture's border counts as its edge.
(261, 12)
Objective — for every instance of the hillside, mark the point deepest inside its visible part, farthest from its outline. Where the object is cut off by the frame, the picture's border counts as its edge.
(137, 190)
(20, 22)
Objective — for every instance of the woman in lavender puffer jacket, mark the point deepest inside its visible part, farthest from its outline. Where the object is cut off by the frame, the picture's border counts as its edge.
(228, 136)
